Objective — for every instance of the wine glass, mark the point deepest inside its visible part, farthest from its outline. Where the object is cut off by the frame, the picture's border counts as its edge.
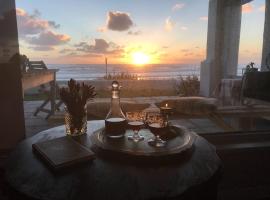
(157, 125)
(135, 122)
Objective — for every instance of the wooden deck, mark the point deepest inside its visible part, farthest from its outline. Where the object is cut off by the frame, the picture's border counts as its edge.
(35, 124)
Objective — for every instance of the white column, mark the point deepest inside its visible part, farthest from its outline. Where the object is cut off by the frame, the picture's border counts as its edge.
(224, 23)
(208, 70)
(266, 36)
(231, 38)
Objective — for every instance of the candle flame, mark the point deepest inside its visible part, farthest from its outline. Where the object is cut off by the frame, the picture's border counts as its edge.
(166, 105)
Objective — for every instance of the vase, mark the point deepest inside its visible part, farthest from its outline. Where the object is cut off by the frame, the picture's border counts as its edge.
(76, 122)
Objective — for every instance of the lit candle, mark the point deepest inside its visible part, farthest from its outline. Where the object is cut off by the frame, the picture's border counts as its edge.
(166, 109)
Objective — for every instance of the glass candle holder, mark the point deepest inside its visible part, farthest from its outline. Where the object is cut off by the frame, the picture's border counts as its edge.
(166, 111)
(76, 124)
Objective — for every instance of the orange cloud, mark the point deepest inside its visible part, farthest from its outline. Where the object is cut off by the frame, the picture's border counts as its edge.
(33, 24)
(247, 8)
(49, 38)
(39, 32)
(20, 12)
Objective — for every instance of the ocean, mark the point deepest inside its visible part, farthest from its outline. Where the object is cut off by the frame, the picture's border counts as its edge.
(150, 71)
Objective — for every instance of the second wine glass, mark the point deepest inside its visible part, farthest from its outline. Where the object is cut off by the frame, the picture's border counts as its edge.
(158, 126)
(135, 122)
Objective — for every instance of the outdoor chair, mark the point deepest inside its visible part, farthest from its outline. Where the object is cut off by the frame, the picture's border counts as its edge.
(246, 99)
(47, 92)
(36, 73)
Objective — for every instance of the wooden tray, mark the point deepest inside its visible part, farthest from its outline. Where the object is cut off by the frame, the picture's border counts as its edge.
(179, 140)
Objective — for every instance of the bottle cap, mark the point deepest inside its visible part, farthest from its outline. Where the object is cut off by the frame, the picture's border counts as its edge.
(115, 85)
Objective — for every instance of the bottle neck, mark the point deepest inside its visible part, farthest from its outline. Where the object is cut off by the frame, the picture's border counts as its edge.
(115, 100)
(115, 95)
(116, 110)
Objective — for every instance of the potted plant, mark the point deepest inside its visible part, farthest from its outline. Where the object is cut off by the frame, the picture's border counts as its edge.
(250, 68)
(75, 98)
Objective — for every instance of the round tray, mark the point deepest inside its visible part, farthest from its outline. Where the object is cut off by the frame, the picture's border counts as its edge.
(178, 139)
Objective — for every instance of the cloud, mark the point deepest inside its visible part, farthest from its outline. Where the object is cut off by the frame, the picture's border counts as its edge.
(262, 8)
(203, 18)
(65, 50)
(178, 6)
(53, 24)
(85, 52)
(169, 24)
(81, 44)
(134, 32)
(48, 38)
(100, 46)
(42, 48)
(118, 21)
(89, 55)
(192, 52)
(39, 32)
(20, 12)
(247, 8)
(32, 24)
(184, 28)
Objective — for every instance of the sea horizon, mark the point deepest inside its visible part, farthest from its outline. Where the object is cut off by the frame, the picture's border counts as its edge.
(147, 71)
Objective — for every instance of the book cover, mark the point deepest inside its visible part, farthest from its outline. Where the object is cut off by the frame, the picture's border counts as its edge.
(62, 152)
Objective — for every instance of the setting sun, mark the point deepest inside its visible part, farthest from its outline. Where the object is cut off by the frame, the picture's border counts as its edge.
(139, 58)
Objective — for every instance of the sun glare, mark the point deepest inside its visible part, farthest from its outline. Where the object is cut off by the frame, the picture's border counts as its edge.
(139, 58)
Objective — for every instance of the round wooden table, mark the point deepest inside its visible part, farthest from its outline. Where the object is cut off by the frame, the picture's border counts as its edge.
(195, 177)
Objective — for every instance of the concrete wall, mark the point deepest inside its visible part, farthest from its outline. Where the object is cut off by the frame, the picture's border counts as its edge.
(8, 34)
(266, 36)
(11, 104)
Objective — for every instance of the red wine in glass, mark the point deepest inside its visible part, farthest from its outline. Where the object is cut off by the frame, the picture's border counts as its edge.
(157, 129)
(136, 125)
(135, 122)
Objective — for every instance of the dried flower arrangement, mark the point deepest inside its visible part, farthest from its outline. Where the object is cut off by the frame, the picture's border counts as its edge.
(75, 97)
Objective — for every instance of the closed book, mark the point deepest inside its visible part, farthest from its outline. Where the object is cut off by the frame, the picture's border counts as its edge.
(62, 152)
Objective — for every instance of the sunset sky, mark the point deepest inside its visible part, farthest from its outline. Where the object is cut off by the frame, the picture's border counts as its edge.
(130, 31)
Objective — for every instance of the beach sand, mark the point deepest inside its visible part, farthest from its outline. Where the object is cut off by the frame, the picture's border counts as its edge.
(130, 88)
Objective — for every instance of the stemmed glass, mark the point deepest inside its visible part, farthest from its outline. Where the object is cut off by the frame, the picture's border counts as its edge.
(157, 125)
(135, 122)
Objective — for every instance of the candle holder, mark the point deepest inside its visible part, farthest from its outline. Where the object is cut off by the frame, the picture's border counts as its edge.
(166, 111)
